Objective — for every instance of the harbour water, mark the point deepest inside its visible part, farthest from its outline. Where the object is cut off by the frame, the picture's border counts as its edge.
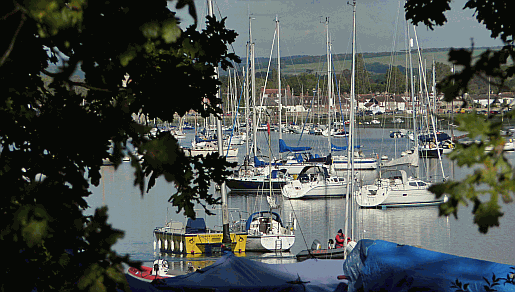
(319, 219)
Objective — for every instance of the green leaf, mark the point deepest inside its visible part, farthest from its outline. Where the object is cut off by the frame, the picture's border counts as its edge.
(170, 31)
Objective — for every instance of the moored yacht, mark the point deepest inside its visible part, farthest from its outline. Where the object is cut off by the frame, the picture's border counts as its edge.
(314, 181)
(396, 189)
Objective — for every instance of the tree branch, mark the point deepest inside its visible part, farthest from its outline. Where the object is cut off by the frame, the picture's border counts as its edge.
(13, 40)
(10, 13)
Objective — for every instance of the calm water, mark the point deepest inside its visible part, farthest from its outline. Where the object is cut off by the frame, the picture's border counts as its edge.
(316, 219)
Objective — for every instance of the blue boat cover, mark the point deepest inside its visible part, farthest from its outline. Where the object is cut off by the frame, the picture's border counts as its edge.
(232, 273)
(259, 163)
(376, 265)
(285, 148)
(275, 217)
(196, 226)
(431, 137)
(342, 148)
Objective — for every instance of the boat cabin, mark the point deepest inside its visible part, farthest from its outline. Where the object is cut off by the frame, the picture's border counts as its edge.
(263, 221)
(313, 172)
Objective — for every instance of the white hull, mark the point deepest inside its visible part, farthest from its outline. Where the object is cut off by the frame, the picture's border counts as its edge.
(233, 152)
(269, 242)
(341, 163)
(315, 189)
(205, 148)
(388, 193)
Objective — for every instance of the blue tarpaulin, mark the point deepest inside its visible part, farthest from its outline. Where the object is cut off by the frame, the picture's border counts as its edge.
(376, 265)
(232, 273)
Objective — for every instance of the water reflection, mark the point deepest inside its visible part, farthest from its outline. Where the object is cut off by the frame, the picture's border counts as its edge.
(315, 219)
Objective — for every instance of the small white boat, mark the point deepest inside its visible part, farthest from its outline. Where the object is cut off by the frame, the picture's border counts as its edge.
(205, 148)
(314, 181)
(266, 232)
(396, 189)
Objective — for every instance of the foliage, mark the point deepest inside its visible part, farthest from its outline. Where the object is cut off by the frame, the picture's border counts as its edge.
(493, 174)
(54, 137)
(396, 81)
(490, 286)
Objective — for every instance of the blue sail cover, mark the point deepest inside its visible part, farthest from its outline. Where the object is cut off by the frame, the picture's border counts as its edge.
(232, 273)
(285, 148)
(376, 265)
(259, 163)
(342, 148)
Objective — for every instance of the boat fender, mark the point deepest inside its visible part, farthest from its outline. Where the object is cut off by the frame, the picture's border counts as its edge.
(166, 244)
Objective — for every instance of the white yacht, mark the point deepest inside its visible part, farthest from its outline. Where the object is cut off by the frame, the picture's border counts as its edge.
(396, 189)
(314, 181)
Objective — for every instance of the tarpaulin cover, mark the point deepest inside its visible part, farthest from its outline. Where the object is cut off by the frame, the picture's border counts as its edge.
(285, 148)
(376, 265)
(232, 273)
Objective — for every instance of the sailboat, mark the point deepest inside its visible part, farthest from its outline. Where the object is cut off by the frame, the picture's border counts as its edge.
(258, 177)
(394, 188)
(318, 180)
(316, 250)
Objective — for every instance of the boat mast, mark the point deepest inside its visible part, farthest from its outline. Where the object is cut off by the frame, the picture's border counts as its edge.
(329, 86)
(247, 107)
(350, 151)
(253, 81)
(226, 237)
(279, 82)
(432, 115)
(413, 103)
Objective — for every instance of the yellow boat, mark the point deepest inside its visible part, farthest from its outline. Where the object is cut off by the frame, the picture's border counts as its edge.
(195, 238)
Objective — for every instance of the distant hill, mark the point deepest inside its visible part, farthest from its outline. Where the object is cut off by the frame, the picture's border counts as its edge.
(376, 63)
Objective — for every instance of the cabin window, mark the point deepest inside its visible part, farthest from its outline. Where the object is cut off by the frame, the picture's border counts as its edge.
(422, 184)
(413, 184)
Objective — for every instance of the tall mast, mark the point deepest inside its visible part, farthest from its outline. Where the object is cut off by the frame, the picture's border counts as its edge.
(279, 80)
(413, 102)
(226, 237)
(247, 107)
(350, 152)
(329, 85)
(253, 75)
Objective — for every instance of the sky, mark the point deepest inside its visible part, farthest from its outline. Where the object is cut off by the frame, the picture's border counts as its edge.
(380, 26)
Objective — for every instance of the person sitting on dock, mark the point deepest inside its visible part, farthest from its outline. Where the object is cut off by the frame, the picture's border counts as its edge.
(339, 239)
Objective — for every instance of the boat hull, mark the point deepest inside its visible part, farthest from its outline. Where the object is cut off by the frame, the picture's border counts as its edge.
(254, 184)
(196, 243)
(297, 190)
(272, 242)
(341, 163)
(373, 196)
(326, 253)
